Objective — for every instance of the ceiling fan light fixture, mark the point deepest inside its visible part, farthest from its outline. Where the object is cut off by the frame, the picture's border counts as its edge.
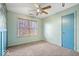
(38, 10)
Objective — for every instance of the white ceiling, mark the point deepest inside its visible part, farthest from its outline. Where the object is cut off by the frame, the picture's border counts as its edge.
(27, 8)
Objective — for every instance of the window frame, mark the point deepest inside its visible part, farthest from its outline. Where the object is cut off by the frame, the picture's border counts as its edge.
(29, 28)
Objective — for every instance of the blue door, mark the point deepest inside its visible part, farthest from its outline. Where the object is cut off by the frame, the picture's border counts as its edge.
(68, 31)
(3, 42)
(0, 44)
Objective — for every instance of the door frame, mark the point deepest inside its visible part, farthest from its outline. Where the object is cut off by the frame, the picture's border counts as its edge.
(75, 29)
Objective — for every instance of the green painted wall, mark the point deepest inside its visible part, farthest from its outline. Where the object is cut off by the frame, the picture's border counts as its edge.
(12, 28)
(52, 27)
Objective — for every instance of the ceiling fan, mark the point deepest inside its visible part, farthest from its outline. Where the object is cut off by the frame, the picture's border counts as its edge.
(40, 10)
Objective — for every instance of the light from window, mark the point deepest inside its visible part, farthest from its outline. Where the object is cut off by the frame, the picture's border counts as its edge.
(26, 27)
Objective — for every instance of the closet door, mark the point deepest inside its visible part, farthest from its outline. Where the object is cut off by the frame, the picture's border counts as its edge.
(3, 42)
(0, 44)
(68, 31)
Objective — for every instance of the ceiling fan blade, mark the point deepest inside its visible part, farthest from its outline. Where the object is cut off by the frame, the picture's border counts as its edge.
(44, 12)
(47, 7)
(36, 5)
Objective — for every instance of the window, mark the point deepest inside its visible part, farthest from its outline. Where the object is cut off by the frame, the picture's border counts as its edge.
(26, 27)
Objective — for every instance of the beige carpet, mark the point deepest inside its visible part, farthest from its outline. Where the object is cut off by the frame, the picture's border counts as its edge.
(40, 49)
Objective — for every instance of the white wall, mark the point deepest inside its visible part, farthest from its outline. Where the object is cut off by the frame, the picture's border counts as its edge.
(53, 30)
